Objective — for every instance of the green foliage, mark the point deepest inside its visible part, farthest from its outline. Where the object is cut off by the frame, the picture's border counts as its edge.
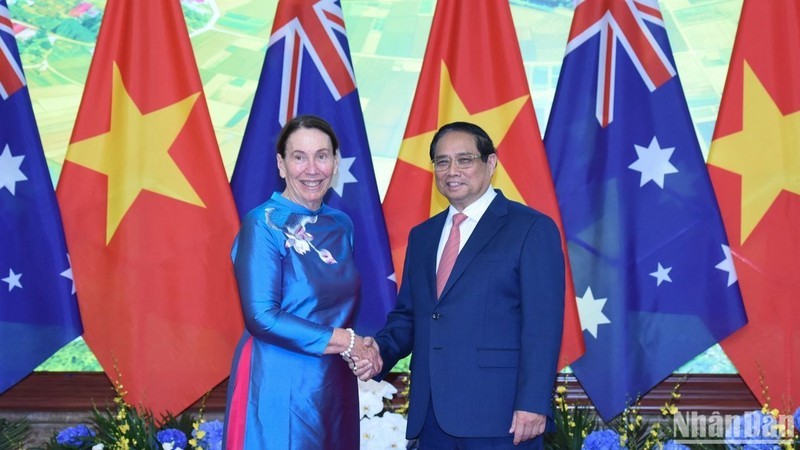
(125, 428)
(403, 366)
(184, 422)
(636, 433)
(573, 423)
(13, 434)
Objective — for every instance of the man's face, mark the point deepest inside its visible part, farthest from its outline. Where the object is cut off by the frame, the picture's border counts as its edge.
(462, 186)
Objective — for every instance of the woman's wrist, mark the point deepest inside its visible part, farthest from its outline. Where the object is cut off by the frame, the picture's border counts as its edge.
(348, 351)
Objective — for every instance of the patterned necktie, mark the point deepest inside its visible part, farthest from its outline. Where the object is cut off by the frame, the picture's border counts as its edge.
(449, 253)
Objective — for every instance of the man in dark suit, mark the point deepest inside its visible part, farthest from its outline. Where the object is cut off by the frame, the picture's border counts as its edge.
(486, 340)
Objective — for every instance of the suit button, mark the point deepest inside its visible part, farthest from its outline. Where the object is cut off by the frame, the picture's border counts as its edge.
(436, 316)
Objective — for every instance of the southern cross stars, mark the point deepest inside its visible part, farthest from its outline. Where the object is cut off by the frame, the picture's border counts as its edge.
(13, 280)
(653, 163)
(343, 176)
(662, 274)
(726, 265)
(590, 311)
(68, 273)
(10, 173)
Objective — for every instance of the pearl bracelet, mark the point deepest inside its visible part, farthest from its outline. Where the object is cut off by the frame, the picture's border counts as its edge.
(352, 343)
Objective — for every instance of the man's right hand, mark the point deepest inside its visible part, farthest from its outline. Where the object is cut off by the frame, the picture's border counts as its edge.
(366, 358)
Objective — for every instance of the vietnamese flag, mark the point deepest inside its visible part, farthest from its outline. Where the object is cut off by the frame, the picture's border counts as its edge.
(148, 213)
(472, 71)
(754, 165)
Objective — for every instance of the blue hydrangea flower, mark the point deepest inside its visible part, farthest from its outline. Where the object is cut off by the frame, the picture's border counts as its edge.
(172, 436)
(753, 431)
(602, 440)
(74, 436)
(212, 440)
(672, 445)
(797, 420)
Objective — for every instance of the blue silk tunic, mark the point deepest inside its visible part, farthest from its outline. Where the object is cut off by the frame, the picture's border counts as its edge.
(297, 280)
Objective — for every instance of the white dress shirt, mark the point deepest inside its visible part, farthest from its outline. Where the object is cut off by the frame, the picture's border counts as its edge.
(474, 213)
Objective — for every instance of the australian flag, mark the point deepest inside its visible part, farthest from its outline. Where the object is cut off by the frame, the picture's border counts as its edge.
(653, 273)
(38, 308)
(308, 70)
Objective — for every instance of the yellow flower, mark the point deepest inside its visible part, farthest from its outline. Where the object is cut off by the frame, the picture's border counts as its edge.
(669, 410)
(124, 428)
(630, 426)
(765, 408)
(201, 434)
(193, 442)
(561, 389)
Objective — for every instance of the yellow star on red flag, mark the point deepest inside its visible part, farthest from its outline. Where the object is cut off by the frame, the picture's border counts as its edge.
(148, 214)
(496, 121)
(134, 153)
(775, 167)
(473, 72)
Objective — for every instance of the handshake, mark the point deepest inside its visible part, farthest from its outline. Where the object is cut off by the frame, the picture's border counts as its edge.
(363, 357)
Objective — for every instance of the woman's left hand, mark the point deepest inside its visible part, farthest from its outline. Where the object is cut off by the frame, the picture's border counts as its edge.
(362, 368)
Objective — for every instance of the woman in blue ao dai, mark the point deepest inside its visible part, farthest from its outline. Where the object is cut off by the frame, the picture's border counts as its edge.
(293, 257)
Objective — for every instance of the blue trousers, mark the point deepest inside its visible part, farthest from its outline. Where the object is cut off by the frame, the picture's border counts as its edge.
(432, 437)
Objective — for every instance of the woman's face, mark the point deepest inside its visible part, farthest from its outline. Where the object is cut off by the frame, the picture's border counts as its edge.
(309, 167)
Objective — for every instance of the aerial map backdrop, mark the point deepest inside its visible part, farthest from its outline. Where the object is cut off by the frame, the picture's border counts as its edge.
(387, 40)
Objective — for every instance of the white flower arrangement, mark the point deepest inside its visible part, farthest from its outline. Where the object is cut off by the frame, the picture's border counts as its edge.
(381, 429)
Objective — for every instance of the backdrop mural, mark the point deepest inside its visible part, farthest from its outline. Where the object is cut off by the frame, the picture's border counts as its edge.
(387, 40)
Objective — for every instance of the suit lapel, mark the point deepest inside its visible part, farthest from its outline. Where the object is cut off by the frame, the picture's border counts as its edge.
(491, 222)
(430, 247)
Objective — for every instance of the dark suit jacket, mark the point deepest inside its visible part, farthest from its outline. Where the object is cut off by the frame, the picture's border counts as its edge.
(490, 345)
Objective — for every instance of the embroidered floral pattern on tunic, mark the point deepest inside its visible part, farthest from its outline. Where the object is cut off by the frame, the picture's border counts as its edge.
(297, 237)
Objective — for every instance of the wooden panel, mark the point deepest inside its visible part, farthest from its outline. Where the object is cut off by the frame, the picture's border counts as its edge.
(58, 391)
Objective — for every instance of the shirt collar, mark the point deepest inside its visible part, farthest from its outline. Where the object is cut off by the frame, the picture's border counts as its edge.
(475, 210)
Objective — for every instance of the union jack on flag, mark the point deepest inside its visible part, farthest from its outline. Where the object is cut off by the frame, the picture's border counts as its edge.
(11, 77)
(649, 255)
(307, 70)
(312, 28)
(622, 21)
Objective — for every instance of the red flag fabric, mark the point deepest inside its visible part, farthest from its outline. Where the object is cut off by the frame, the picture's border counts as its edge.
(472, 71)
(754, 164)
(148, 213)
